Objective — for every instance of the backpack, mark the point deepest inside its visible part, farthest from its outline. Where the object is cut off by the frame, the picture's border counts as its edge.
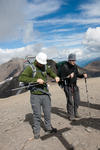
(58, 67)
(28, 62)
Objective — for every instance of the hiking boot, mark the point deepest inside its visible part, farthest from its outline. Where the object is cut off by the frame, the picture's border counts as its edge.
(77, 115)
(52, 130)
(36, 136)
(71, 118)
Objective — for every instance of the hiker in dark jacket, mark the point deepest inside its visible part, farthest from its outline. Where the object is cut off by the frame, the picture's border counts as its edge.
(40, 95)
(69, 74)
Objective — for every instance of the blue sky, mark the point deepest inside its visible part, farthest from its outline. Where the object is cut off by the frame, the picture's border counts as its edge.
(56, 27)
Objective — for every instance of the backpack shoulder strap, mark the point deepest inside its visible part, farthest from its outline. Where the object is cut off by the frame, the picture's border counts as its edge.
(33, 69)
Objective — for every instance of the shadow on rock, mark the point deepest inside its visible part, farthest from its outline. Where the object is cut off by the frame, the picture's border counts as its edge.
(61, 138)
(88, 122)
(29, 118)
(94, 106)
(60, 112)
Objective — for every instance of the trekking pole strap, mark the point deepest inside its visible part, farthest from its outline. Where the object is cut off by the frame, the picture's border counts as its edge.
(41, 90)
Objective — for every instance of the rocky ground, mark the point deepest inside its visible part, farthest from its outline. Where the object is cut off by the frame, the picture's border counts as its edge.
(81, 134)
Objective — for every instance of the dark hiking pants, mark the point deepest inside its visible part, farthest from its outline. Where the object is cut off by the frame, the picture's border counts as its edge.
(73, 99)
(36, 102)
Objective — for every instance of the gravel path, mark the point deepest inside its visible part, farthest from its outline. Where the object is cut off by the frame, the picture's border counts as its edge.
(81, 134)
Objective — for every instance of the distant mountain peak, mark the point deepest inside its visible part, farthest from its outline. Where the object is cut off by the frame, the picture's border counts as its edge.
(94, 66)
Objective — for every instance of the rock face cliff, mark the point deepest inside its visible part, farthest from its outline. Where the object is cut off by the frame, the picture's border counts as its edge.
(11, 68)
(10, 71)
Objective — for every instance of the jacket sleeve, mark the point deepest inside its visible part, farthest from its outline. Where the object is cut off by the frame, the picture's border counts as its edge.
(27, 75)
(79, 75)
(50, 72)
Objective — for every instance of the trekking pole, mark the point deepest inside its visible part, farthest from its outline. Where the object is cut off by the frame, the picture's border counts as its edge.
(87, 96)
(24, 87)
(28, 87)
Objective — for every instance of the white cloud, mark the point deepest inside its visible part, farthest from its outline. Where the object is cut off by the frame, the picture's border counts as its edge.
(89, 14)
(62, 30)
(91, 9)
(15, 16)
(31, 50)
(52, 52)
(8, 54)
(69, 19)
(29, 34)
(17, 22)
(64, 53)
(58, 40)
(11, 18)
(92, 40)
(42, 7)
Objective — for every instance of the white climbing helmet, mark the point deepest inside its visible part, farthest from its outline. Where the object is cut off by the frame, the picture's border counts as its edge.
(41, 58)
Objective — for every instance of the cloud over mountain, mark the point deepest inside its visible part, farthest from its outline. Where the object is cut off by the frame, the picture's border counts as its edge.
(92, 41)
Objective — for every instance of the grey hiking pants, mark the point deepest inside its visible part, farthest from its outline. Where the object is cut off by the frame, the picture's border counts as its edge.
(36, 102)
(73, 99)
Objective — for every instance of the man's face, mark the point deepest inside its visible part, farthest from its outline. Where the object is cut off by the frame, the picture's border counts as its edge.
(40, 65)
(72, 62)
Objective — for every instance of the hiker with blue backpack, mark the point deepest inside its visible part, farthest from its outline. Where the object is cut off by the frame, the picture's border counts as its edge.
(69, 74)
(36, 73)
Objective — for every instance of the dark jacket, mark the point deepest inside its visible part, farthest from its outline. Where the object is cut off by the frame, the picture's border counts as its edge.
(66, 70)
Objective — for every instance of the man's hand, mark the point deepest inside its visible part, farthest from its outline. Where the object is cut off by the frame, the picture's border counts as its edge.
(57, 79)
(71, 75)
(40, 81)
(85, 75)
